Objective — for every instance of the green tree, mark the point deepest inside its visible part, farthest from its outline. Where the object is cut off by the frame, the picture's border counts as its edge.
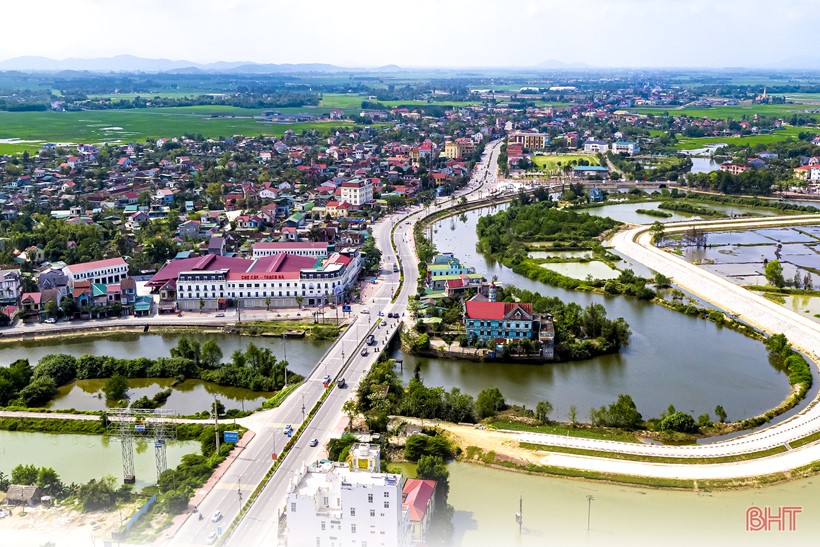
(24, 474)
(774, 274)
(573, 414)
(679, 421)
(49, 481)
(59, 367)
(622, 413)
(116, 387)
(489, 402)
(97, 494)
(38, 392)
(720, 412)
(433, 468)
(51, 308)
(542, 411)
(211, 353)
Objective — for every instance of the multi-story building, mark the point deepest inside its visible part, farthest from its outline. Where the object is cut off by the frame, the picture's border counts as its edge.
(504, 321)
(495, 323)
(734, 168)
(317, 249)
(279, 281)
(347, 504)
(110, 270)
(528, 139)
(624, 147)
(357, 192)
(10, 283)
(596, 147)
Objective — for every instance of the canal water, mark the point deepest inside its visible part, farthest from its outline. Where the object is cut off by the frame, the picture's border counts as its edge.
(70, 455)
(555, 512)
(671, 359)
(189, 397)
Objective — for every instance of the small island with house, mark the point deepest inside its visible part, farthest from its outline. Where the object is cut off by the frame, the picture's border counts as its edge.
(459, 314)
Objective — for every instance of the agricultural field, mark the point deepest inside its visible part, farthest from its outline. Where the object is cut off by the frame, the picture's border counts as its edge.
(118, 126)
(557, 162)
(687, 143)
(726, 112)
(350, 101)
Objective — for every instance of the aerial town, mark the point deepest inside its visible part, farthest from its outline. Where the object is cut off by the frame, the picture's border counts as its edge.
(372, 304)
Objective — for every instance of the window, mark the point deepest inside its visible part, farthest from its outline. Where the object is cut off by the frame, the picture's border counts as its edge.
(372, 512)
(323, 525)
(370, 498)
(293, 507)
(326, 504)
(387, 505)
(352, 528)
(387, 494)
(352, 511)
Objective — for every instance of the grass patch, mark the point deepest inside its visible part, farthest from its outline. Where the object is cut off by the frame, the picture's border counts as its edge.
(280, 396)
(551, 163)
(654, 459)
(564, 431)
(318, 331)
(805, 440)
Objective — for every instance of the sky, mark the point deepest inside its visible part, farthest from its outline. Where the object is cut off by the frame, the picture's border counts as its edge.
(421, 33)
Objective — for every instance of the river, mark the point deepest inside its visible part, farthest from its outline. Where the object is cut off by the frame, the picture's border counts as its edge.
(555, 512)
(671, 359)
(70, 455)
(189, 397)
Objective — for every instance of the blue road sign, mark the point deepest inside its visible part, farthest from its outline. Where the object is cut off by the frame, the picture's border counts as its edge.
(230, 436)
(346, 309)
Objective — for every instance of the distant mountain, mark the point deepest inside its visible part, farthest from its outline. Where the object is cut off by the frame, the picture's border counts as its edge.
(553, 64)
(804, 62)
(131, 63)
(388, 68)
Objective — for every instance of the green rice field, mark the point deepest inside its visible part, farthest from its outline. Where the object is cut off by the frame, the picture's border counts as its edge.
(118, 126)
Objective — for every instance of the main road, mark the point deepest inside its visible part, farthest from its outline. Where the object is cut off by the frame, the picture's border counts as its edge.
(259, 526)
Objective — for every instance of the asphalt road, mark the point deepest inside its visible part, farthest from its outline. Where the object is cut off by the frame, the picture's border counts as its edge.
(260, 524)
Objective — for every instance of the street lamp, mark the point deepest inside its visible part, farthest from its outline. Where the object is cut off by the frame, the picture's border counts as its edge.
(589, 509)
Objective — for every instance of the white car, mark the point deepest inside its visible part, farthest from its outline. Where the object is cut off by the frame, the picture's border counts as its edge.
(216, 516)
(211, 538)
(365, 312)
(50, 320)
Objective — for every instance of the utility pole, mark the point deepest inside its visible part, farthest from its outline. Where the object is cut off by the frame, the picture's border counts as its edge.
(216, 425)
(589, 509)
(303, 408)
(285, 358)
(519, 516)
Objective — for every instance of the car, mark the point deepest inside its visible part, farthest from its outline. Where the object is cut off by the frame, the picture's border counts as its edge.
(365, 312)
(50, 320)
(341, 383)
(384, 323)
(326, 378)
(288, 429)
(220, 314)
(381, 314)
(211, 538)
(216, 516)
(314, 442)
(364, 352)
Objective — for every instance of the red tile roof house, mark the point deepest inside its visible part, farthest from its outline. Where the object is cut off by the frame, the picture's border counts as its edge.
(419, 499)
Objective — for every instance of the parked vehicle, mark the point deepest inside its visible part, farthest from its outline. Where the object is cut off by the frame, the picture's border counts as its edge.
(221, 314)
(50, 320)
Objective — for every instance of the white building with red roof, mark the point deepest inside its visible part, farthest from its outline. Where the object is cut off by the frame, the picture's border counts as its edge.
(110, 270)
(418, 498)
